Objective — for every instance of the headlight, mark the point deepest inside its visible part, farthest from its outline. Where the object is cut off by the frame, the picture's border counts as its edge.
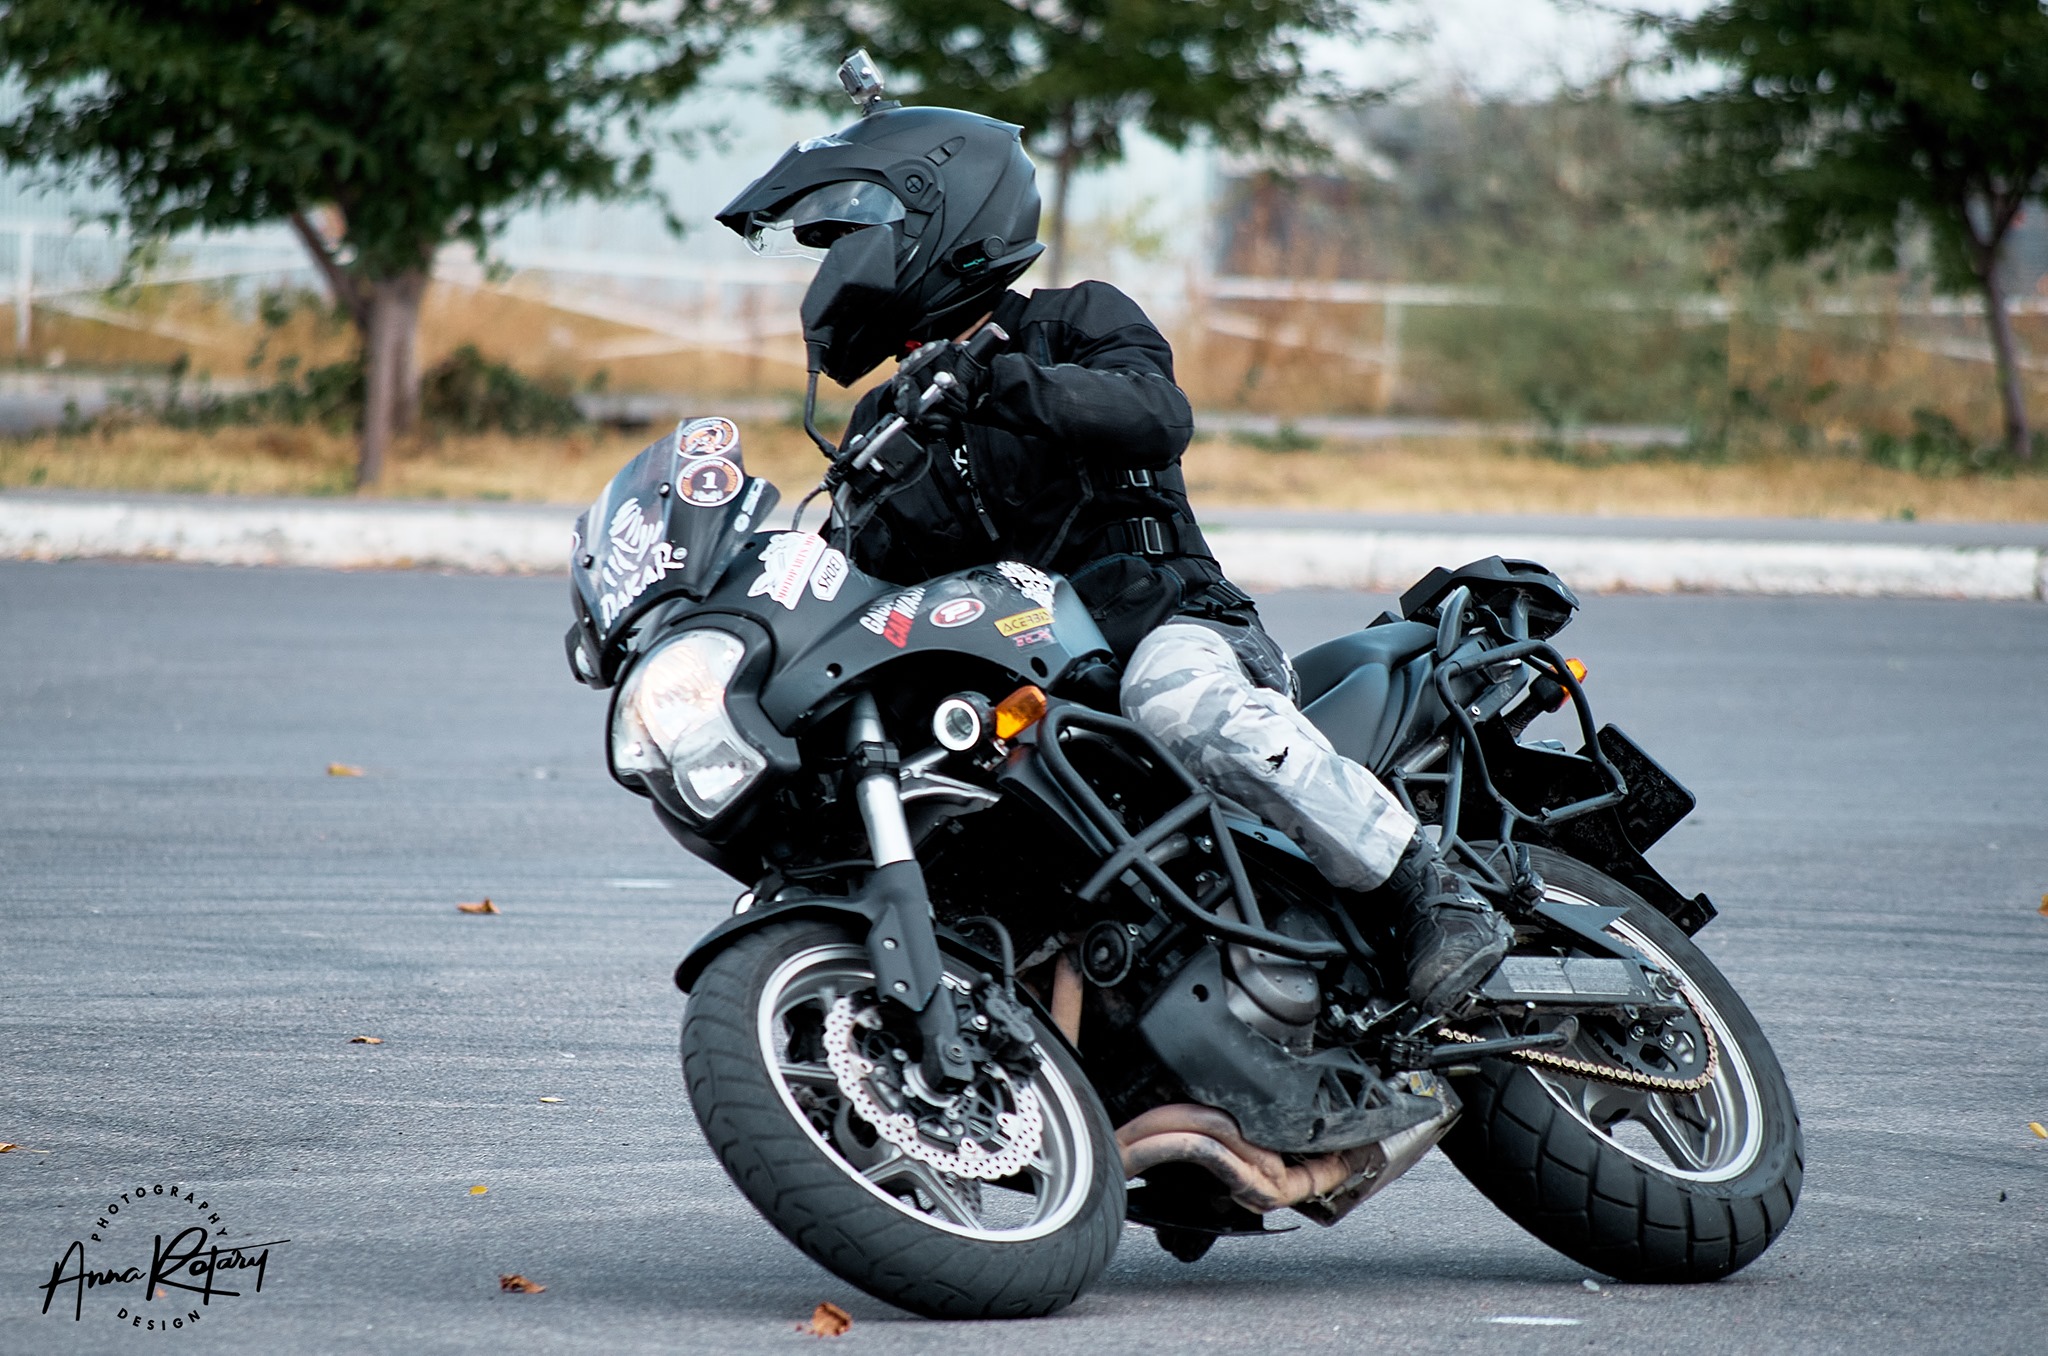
(672, 716)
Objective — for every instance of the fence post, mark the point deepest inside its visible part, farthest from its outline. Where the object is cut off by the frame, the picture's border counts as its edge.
(1390, 353)
(24, 288)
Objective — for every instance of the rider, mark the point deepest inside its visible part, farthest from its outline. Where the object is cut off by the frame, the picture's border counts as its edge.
(1063, 452)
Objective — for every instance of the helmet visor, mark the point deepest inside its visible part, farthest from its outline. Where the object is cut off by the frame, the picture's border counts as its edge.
(809, 225)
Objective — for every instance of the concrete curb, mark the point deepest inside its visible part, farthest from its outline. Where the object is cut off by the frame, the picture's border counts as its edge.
(535, 539)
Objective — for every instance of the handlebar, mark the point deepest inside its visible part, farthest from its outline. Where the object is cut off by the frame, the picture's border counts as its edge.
(864, 451)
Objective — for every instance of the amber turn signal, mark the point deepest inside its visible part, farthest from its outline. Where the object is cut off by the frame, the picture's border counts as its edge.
(1578, 668)
(1019, 711)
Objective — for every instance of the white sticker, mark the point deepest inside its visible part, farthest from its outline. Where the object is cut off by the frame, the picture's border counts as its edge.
(637, 557)
(958, 612)
(1028, 580)
(830, 576)
(786, 565)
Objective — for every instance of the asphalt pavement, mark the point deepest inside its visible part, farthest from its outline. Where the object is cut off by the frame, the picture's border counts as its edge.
(195, 920)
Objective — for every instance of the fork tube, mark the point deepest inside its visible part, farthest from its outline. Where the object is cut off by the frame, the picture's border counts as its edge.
(878, 795)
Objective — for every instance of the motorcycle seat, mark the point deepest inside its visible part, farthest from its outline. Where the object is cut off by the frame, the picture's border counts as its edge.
(1324, 666)
(1358, 688)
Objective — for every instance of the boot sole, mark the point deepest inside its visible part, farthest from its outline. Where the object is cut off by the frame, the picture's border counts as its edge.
(1452, 987)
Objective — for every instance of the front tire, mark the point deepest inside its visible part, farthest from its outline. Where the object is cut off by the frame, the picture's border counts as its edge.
(1644, 1186)
(939, 1245)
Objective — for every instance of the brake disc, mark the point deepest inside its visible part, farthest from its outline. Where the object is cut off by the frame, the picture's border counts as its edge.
(994, 1124)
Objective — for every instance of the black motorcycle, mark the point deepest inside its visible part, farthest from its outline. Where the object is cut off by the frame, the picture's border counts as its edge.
(1006, 975)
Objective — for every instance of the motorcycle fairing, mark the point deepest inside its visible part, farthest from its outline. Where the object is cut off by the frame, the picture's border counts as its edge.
(670, 523)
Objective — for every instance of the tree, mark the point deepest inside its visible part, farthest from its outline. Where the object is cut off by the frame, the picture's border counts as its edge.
(403, 124)
(1841, 121)
(1075, 74)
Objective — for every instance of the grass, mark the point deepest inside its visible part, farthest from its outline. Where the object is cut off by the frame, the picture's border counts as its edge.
(1413, 475)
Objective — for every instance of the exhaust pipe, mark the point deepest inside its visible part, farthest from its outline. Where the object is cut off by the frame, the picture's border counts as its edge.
(1261, 1180)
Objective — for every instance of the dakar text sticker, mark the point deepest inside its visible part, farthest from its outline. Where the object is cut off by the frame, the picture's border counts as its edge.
(636, 556)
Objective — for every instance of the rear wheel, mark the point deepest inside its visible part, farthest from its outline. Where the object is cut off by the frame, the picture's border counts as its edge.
(1003, 1200)
(1642, 1182)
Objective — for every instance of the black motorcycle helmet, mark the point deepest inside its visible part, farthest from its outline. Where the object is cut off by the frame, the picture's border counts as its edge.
(957, 190)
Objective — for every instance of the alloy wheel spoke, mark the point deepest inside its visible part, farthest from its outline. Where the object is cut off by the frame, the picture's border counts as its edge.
(944, 1193)
(1688, 1146)
(807, 1073)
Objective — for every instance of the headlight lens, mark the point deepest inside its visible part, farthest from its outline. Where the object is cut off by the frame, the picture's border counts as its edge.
(672, 716)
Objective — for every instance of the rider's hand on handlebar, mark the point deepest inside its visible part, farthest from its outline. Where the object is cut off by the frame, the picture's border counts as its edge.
(965, 382)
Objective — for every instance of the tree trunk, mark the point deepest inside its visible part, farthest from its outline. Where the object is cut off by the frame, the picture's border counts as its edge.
(2019, 440)
(1056, 231)
(390, 376)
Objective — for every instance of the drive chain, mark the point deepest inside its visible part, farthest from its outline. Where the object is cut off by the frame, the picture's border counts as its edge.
(1628, 1078)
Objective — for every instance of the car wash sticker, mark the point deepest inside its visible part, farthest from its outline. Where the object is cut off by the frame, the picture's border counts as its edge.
(892, 617)
(637, 554)
(830, 575)
(705, 438)
(1028, 580)
(1024, 621)
(709, 482)
(786, 565)
(958, 612)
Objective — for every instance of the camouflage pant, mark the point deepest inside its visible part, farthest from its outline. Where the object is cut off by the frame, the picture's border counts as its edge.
(1187, 686)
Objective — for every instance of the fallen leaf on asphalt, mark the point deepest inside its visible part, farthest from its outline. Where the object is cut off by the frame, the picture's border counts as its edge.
(8, 1148)
(518, 1285)
(343, 770)
(365, 1040)
(2040, 1130)
(827, 1320)
(481, 906)
(2044, 906)
(551, 1099)
(478, 1190)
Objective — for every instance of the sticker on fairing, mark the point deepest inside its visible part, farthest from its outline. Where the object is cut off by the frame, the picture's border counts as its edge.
(957, 612)
(830, 575)
(1024, 621)
(705, 438)
(1028, 580)
(891, 618)
(786, 565)
(1038, 637)
(709, 482)
(637, 555)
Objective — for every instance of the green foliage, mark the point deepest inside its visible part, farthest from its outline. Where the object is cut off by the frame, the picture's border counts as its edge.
(1077, 74)
(463, 393)
(1286, 438)
(1937, 447)
(467, 393)
(421, 120)
(1835, 116)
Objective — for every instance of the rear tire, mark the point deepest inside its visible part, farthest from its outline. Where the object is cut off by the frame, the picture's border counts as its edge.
(1533, 1142)
(785, 1152)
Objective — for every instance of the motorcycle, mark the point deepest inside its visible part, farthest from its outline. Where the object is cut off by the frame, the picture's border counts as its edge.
(1005, 975)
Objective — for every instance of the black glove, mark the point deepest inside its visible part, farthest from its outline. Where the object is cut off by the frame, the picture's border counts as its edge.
(965, 386)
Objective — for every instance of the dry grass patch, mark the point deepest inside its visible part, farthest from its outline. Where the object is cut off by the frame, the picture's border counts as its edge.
(1415, 475)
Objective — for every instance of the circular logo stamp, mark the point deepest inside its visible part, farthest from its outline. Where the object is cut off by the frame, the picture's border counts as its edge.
(957, 612)
(157, 1258)
(709, 482)
(706, 438)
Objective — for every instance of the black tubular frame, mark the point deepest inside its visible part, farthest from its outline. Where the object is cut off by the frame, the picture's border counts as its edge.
(1464, 737)
(1130, 853)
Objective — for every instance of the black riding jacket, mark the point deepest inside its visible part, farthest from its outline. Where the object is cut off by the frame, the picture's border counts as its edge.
(1072, 464)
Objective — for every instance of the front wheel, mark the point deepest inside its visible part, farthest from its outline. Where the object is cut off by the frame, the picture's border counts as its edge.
(1003, 1200)
(1639, 1182)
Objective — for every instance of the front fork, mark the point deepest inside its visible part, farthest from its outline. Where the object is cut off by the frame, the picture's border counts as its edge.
(902, 943)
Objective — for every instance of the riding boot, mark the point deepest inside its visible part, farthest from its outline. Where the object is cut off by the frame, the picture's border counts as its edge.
(1451, 935)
